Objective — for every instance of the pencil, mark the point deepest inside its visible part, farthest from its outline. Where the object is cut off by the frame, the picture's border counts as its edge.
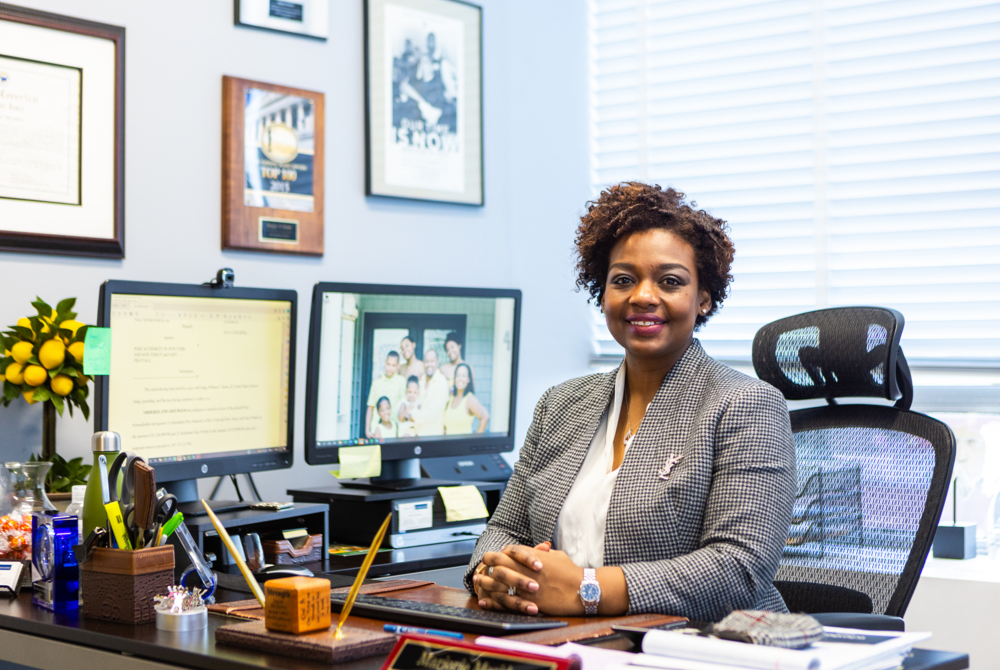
(228, 541)
(349, 603)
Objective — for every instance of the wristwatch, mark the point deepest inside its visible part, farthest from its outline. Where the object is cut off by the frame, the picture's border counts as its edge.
(590, 591)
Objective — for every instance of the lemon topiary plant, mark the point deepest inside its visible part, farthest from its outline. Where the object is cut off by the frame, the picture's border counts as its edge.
(43, 361)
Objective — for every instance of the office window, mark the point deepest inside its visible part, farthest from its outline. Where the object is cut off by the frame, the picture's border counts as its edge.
(853, 146)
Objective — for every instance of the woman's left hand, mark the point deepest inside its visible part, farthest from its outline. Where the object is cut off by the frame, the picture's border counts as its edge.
(552, 587)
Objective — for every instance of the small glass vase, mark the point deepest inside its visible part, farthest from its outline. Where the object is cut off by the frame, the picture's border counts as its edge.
(26, 486)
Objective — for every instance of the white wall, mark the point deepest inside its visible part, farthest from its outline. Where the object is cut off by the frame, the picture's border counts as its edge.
(536, 155)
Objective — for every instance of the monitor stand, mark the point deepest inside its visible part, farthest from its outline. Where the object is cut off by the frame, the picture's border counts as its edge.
(189, 504)
(399, 476)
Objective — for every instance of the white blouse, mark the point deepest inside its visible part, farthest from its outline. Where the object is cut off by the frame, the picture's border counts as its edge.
(584, 515)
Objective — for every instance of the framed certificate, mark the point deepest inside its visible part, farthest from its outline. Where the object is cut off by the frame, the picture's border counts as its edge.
(305, 18)
(272, 168)
(424, 121)
(62, 134)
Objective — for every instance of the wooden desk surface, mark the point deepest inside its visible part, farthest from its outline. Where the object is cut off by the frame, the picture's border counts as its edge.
(198, 649)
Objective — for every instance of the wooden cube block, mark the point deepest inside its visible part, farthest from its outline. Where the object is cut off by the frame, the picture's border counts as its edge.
(297, 604)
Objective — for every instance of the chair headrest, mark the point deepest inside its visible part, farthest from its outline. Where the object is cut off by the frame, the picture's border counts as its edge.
(835, 353)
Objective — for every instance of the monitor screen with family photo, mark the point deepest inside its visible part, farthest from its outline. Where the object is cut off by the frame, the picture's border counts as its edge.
(422, 371)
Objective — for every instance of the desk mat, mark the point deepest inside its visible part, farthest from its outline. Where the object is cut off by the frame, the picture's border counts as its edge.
(318, 646)
(251, 609)
(594, 629)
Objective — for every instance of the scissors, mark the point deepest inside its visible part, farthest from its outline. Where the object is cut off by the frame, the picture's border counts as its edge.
(163, 511)
(126, 499)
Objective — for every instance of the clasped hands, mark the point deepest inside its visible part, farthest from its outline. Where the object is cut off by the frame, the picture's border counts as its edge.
(542, 580)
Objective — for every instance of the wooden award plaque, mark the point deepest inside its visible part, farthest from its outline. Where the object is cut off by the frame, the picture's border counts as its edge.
(272, 168)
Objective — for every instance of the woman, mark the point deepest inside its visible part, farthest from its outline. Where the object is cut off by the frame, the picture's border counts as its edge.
(464, 406)
(667, 485)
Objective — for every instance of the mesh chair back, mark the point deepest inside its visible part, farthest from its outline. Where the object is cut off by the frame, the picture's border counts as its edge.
(835, 353)
(871, 479)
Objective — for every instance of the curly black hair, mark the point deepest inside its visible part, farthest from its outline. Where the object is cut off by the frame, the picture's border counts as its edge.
(632, 206)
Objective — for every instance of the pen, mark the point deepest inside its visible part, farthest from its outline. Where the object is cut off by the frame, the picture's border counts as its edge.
(393, 628)
(169, 527)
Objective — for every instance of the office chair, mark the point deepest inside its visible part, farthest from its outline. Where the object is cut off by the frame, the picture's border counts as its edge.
(872, 479)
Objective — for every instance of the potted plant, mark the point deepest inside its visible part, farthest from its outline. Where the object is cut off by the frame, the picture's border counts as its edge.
(43, 361)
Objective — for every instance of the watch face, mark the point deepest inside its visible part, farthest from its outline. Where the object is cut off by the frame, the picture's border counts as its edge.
(590, 592)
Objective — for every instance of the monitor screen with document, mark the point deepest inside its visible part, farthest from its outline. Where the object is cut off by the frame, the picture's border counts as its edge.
(421, 371)
(201, 379)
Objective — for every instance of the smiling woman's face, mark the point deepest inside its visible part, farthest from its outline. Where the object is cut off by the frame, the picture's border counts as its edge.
(651, 297)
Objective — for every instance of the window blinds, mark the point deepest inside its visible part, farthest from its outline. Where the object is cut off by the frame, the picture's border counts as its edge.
(853, 146)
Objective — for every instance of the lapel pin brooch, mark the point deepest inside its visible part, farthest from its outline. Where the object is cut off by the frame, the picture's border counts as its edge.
(672, 460)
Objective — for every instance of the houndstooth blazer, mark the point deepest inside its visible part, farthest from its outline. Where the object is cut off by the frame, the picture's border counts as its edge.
(699, 542)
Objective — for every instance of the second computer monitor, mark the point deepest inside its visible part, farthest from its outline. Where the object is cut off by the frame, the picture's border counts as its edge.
(422, 371)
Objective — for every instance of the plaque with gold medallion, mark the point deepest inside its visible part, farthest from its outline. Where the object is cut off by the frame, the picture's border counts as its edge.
(272, 168)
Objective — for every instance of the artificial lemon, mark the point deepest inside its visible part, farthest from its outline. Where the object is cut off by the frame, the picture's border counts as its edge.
(15, 373)
(71, 324)
(76, 351)
(29, 395)
(23, 322)
(35, 375)
(81, 380)
(61, 385)
(21, 352)
(52, 354)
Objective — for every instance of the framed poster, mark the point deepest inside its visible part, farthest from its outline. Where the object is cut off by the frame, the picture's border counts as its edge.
(62, 134)
(272, 168)
(305, 18)
(424, 120)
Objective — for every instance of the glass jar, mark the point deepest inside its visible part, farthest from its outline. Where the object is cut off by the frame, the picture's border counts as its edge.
(24, 493)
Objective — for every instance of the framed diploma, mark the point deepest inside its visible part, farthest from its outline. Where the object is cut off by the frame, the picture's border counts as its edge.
(62, 134)
(305, 18)
(424, 120)
(272, 168)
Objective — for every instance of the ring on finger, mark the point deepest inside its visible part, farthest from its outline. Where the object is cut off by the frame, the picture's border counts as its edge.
(490, 571)
(511, 591)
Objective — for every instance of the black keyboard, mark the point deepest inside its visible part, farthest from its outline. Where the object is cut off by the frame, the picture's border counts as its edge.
(432, 615)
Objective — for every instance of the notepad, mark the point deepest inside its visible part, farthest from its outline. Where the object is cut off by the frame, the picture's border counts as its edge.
(462, 503)
(356, 462)
(97, 351)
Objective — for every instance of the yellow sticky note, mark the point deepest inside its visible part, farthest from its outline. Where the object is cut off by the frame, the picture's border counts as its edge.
(358, 462)
(462, 503)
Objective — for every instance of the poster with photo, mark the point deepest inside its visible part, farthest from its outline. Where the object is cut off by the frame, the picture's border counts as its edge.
(424, 100)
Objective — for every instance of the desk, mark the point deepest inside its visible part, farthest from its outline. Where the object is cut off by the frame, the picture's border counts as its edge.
(35, 637)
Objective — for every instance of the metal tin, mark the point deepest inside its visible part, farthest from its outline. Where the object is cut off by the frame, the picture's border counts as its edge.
(182, 621)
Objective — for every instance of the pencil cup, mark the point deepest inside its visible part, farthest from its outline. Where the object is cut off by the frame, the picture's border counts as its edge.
(120, 585)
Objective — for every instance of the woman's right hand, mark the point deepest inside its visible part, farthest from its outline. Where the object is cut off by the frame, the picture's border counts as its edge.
(485, 585)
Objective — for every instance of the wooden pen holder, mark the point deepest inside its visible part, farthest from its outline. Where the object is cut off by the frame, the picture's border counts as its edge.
(283, 552)
(119, 585)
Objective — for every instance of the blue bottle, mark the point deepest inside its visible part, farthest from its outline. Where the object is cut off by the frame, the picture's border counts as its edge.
(55, 575)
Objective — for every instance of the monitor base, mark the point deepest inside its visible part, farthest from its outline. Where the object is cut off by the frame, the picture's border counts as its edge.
(189, 504)
(409, 484)
(190, 509)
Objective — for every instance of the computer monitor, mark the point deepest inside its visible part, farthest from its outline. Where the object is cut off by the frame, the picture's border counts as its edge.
(202, 379)
(371, 349)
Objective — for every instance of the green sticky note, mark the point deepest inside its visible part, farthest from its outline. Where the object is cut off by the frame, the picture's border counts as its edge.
(356, 462)
(463, 503)
(97, 351)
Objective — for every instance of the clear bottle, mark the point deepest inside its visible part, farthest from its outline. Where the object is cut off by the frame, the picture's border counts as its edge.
(76, 507)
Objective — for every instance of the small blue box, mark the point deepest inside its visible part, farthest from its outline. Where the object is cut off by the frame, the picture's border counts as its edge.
(955, 541)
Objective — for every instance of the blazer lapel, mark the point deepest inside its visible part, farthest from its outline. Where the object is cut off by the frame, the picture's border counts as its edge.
(661, 435)
(576, 432)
